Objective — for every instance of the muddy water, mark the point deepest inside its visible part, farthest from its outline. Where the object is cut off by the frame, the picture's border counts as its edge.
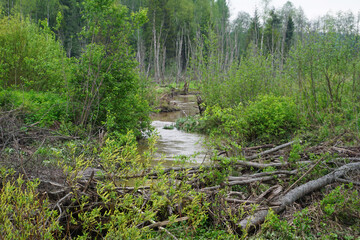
(173, 142)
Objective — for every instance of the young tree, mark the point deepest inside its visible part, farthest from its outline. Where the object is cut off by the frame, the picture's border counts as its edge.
(106, 83)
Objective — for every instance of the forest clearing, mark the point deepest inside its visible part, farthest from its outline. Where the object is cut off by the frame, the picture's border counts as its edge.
(164, 119)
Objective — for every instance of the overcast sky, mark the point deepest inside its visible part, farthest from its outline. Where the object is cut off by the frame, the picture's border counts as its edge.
(312, 8)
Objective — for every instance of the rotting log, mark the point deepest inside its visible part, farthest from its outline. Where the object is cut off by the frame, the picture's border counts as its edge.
(299, 192)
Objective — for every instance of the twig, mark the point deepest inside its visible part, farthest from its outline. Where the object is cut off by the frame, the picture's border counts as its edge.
(260, 165)
(347, 181)
(153, 222)
(88, 182)
(306, 173)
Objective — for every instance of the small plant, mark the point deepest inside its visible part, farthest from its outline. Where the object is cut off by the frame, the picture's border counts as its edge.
(169, 127)
(342, 204)
(275, 228)
(24, 213)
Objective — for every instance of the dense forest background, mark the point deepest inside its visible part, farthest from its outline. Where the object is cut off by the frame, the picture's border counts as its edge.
(276, 51)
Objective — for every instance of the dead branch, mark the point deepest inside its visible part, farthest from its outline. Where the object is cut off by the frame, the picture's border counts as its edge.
(284, 172)
(306, 173)
(268, 151)
(259, 147)
(164, 223)
(233, 200)
(347, 181)
(260, 165)
(299, 192)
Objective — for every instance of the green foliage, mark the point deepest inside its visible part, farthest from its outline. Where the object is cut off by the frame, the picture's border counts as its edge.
(191, 124)
(241, 83)
(24, 213)
(342, 204)
(43, 108)
(271, 118)
(106, 84)
(31, 57)
(296, 150)
(274, 227)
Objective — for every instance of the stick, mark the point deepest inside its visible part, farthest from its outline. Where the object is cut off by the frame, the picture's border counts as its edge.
(268, 151)
(306, 173)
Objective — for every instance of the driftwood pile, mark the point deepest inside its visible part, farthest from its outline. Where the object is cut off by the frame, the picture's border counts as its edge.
(262, 177)
(342, 164)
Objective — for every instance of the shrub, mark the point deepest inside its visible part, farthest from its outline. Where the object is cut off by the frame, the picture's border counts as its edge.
(31, 58)
(43, 107)
(24, 214)
(270, 118)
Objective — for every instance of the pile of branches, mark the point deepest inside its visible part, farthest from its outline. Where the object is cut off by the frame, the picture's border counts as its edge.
(20, 141)
(342, 165)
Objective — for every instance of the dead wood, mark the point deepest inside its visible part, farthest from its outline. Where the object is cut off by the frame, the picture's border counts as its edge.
(269, 151)
(306, 173)
(164, 223)
(259, 147)
(298, 193)
(345, 151)
(283, 172)
(233, 200)
(347, 181)
(243, 182)
(270, 193)
(260, 165)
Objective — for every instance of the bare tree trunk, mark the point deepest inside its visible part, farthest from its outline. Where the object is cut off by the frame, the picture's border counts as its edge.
(156, 76)
(179, 45)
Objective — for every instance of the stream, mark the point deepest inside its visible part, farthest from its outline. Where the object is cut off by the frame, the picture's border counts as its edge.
(173, 142)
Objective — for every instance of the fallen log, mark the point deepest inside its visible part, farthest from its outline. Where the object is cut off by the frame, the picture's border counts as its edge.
(268, 151)
(298, 193)
(262, 174)
(260, 165)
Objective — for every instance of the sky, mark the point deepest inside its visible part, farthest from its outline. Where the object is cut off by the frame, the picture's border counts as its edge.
(312, 8)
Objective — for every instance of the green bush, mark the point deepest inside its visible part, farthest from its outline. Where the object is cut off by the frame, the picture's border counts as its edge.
(42, 107)
(24, 213)
(342, 204)
(31, 58)
(270, 118)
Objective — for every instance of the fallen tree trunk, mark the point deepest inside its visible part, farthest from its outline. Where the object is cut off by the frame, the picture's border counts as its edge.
(299, 192)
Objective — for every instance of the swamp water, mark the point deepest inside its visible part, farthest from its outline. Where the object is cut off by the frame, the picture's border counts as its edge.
(173, 142)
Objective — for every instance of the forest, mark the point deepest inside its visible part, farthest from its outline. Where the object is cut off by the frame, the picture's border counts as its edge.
(277, 100)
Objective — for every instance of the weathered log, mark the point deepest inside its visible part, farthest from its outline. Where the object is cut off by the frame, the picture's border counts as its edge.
(269, 151)
(298, 193)
(259, 147)
(260, 165)
(262, 174)
(243, 182)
